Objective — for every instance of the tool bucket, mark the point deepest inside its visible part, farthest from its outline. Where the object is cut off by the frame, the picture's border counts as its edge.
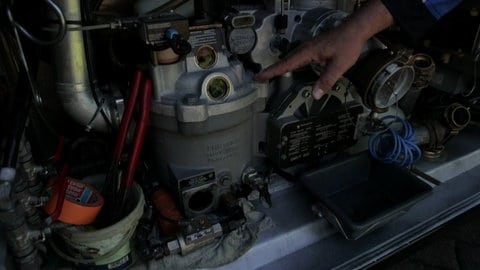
(106, 248)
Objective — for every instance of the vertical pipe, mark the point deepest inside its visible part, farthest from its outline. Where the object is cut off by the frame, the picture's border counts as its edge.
(72, 78)
(12, 215)
(18, 118)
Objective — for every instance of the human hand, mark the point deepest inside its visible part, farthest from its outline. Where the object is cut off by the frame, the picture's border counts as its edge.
(337, 50)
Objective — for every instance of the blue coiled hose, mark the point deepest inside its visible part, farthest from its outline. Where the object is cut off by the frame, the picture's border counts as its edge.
(395, 147)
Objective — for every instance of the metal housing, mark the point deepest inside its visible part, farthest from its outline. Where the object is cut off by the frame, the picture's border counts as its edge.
(194, 132)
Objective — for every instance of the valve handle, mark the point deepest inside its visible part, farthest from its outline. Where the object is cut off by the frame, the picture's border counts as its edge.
(179, 45)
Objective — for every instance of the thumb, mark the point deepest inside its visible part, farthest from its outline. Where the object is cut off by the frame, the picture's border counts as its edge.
(332, 72)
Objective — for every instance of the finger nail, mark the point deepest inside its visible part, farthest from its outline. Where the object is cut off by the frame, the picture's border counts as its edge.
(318, 93)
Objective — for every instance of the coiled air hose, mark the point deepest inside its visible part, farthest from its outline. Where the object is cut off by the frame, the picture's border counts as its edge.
(395, 144)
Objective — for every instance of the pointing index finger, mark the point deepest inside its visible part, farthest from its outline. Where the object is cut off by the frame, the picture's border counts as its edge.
(294, 60)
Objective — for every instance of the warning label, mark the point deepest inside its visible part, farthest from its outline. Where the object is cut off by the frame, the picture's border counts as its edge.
(212, 37)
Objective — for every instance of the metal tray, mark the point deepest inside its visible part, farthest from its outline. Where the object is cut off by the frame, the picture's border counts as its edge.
(359, 194)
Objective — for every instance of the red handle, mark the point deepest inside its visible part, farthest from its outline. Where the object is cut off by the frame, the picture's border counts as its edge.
(140, 131)
(127, 116)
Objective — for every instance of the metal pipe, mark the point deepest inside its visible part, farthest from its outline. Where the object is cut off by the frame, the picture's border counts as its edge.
(424, 67)
(17, 231)
(457, 116)
(18, 118)
(28, 167)
(422, 134)
(12, 215)
(19, 239)
(72, 78)
(23, 196)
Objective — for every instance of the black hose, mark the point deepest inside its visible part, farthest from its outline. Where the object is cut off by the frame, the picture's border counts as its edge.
(62, 30)
(18, 118)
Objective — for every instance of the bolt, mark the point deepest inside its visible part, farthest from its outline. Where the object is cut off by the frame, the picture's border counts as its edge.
(190, 99)
(306, 93)
(337, 87)
(224, 180)
(38, 99)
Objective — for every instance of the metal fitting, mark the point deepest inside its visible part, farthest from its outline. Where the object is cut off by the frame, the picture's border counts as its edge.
(306, 93)
(457, 116)
(424, 67)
